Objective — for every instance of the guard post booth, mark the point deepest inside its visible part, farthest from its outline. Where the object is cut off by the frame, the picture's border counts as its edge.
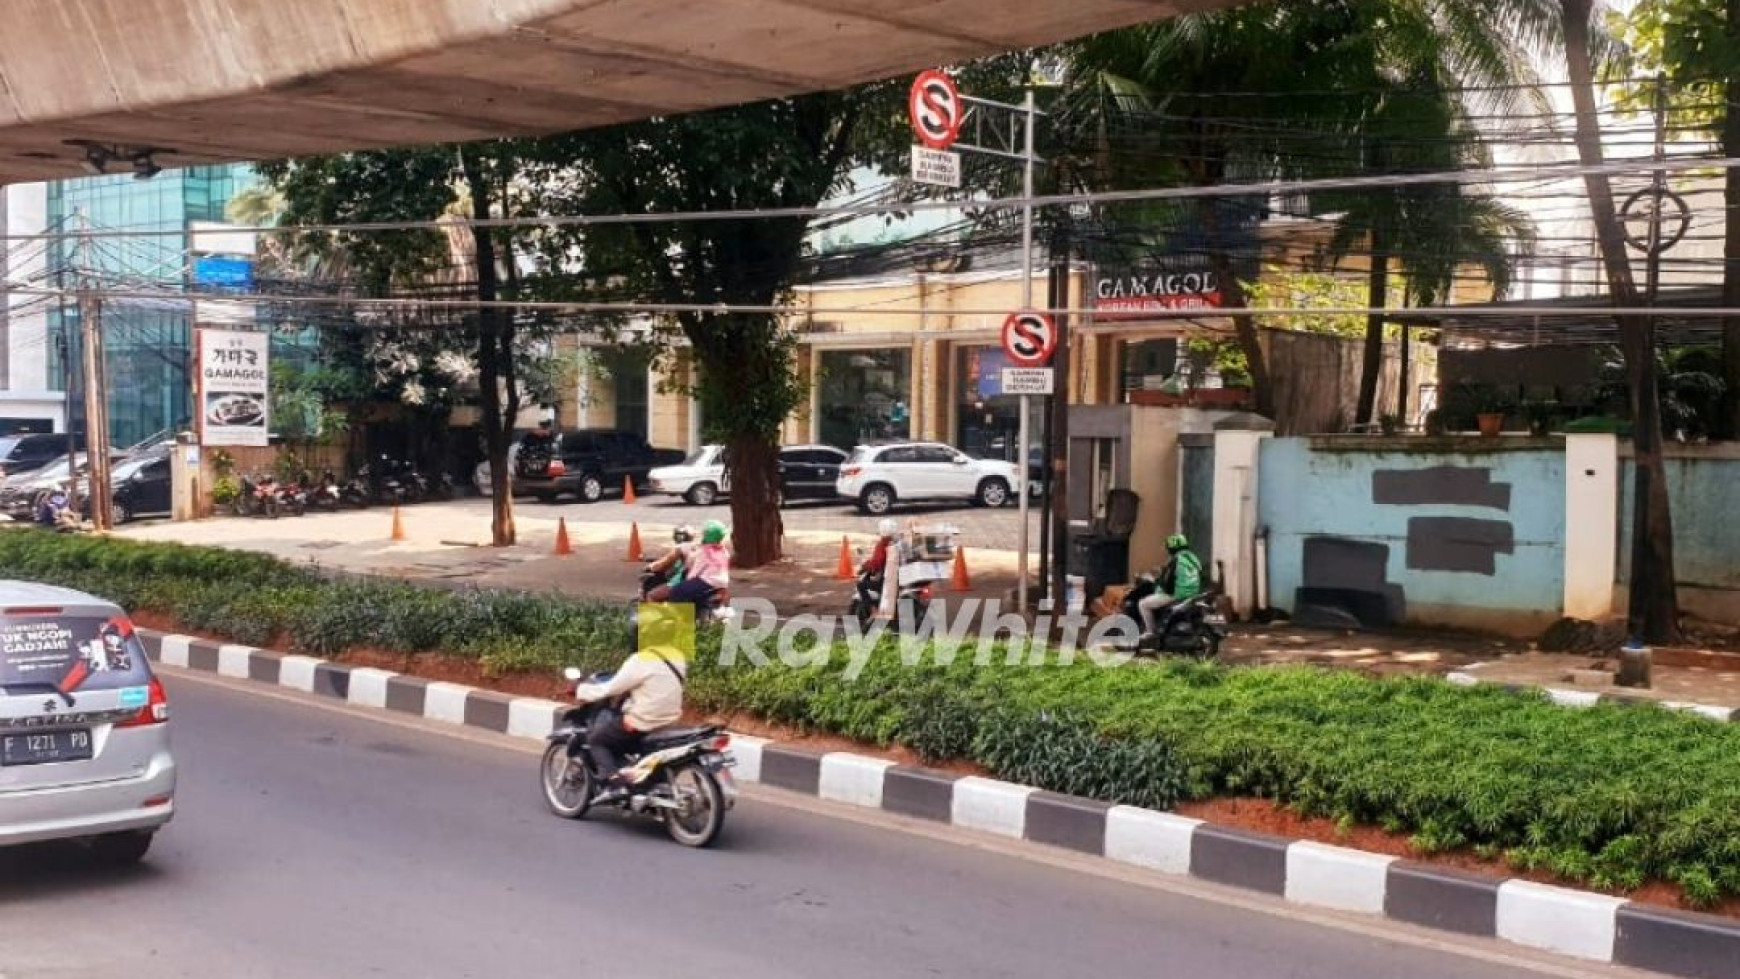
(1134, 448)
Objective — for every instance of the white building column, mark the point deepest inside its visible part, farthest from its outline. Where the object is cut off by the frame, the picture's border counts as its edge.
(1591, 524)
(1235, 514)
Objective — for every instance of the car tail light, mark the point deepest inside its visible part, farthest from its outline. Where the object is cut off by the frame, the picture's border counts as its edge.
(156, 711)
(721, 742)
(924, 592)
(557, 467)
(851, 470)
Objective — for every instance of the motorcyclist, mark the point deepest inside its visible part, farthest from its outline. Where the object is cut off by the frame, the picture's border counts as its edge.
(707, 571)
(673, 567)
(650, 681)
(875, 568)
(1180, 580)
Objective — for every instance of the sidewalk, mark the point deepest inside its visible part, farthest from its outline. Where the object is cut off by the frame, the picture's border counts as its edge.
(447, 545)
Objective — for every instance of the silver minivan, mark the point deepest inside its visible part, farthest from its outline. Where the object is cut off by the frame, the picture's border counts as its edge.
(84, 725)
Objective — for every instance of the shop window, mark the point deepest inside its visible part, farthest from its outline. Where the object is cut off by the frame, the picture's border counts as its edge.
(862, 396)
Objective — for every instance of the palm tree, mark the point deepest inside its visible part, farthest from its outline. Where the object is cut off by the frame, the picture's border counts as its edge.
(1228, 95)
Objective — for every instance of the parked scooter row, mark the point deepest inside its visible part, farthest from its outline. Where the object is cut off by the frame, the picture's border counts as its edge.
(385, 482)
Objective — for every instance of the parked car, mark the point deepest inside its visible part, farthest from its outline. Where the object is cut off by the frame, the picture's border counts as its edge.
(587, 463)
(879, 476)
(141, 488)
(701, 478)
(84, 726)
(19, 493)
(28, 453)
(805, 472)
(480, 477)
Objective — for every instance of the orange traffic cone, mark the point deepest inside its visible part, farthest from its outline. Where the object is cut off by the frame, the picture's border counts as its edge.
(962, 581)
(563, 547)
(398, 525)
(844, 572)
(634, 551)
(628, 492)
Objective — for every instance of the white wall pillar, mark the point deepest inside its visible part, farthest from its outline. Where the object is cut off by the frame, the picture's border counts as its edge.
(1591, 524)
(1235, 514)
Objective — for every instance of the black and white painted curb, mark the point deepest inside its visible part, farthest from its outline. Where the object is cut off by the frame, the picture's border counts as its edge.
(1588, 698)
(1568, 922)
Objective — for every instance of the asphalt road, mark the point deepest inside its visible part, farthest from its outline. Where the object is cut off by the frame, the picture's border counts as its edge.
(319, 843)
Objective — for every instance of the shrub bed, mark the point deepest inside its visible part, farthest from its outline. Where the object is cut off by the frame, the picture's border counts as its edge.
(1610, 796)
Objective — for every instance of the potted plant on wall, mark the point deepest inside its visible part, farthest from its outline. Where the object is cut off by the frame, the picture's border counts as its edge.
(1541, 416)
(1490, 406)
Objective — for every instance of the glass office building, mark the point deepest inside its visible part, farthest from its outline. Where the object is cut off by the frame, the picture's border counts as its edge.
(148, 342)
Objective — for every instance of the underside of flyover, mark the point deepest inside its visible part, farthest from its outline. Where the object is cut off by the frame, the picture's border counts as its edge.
(206, 81)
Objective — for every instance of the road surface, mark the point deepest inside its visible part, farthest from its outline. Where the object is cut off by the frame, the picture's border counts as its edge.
(320, 842)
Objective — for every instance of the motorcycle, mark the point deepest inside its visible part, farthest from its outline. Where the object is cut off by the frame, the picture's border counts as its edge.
(911, 603)
(55, 512)
(292, 496)
(1192, 627)
(716, 609)
(355, 492)
(681, 776)
(326, 495)
(259, 497)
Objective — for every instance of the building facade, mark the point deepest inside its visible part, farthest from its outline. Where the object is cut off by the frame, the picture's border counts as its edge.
(148, 342)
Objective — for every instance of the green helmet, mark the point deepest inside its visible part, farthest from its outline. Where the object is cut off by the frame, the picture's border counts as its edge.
(1177, 542)
(713, 533)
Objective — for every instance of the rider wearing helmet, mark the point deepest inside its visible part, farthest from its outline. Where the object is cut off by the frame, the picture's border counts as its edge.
(875, 567)
(1181, 579)
(650, 682)
(673, 567)
(707, 571)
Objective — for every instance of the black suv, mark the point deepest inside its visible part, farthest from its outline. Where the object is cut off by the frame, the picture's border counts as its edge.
(587, 463)
(28, 453)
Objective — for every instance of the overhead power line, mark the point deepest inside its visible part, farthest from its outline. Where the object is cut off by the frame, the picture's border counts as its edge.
(1491, 175)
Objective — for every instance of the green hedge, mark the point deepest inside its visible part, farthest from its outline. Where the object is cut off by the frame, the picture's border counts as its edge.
(1612, 796)
(256, 599)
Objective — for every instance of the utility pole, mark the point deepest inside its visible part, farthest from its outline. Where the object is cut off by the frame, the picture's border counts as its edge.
(1027, 161)
(70, 384)
(1057, 427)
(96, 388)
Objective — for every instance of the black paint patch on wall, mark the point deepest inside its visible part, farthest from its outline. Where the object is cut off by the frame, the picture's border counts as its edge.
(1352, 577)
(1439, 485)
(1458, 544)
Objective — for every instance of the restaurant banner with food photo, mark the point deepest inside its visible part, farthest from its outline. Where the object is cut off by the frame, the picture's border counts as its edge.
(234, 386)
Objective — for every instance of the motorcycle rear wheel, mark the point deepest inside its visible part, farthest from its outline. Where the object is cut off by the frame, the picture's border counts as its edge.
(567, 782)
(701, 807)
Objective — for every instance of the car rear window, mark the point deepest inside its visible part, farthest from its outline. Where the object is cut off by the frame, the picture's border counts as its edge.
(859, 455)
(7, 445)
(67, 654)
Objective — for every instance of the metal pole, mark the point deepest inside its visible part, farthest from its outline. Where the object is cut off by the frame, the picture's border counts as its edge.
(1027, 105)
(96, 388)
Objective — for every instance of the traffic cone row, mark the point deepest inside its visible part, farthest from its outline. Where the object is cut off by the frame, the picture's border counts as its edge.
(563, 546)
(962, 581)
(634, 552)
(628, 491)
(398, 525)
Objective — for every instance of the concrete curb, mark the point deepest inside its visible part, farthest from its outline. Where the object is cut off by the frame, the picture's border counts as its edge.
(1594, 927)
(1578, 699)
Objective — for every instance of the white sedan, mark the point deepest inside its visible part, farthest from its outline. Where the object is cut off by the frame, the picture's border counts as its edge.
(700, 479)
(878, 476)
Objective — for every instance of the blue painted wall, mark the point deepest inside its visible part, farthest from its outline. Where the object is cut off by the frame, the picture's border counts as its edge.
(1323, 487)
(1704, 491)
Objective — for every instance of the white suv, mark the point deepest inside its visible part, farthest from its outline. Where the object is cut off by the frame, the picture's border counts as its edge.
(878, 476)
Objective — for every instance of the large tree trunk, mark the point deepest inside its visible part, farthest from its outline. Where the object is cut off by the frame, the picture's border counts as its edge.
(494, 362)
(1654, 603)
(743, 370)
(1729, 424)
(1250, 338)
(1377, 297)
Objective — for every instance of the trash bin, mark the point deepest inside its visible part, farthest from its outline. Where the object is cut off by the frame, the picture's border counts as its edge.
(1101, 555)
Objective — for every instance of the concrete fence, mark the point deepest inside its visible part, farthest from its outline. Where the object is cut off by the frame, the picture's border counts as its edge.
(1501, 534)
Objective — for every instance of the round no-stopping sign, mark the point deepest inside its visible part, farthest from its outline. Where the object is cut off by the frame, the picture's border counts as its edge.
(936, 109)
(1029, 338)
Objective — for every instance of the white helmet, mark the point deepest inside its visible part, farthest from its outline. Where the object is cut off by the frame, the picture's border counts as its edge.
(888, 528)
